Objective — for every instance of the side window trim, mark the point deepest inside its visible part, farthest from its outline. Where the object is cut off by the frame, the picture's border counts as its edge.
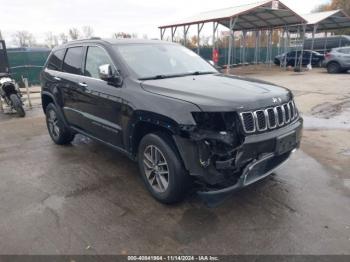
(85, 59)
(61, 64)
(82, 60)
(64, 56)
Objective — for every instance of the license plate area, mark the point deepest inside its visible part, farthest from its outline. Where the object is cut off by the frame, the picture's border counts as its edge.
(286, 143)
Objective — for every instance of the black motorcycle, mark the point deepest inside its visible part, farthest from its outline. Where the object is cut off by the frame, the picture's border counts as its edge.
(11, 94)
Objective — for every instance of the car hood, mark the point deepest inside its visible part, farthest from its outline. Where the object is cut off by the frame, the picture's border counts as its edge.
(218, 92)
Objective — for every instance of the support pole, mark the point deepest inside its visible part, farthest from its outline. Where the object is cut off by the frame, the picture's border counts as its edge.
(244, 55)
(240, 49)
(215, 27)
(256, 47)
(302, 48)
(312, 45)
(267, 46)
(287, 48)
(259, 47)
(162, 31)
(231, 37)
(325, 43)
(296, 52)
(173, 31)
(25, 81)
(199, 29)
(270, 46)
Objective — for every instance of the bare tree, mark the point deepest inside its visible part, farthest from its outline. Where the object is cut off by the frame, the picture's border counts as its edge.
(74, 33)
(1, 38)
(88, 31)
(24, 39)
(51, 40)
(63, 38)
(121, 35)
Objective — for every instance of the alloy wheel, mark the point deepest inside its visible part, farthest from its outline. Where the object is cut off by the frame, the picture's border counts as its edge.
(53, 124)
(156, 168)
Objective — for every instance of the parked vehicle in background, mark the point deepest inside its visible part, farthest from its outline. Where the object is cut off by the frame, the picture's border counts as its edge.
(164, 106)
(325, 44)
(338, 60)
(289, 58)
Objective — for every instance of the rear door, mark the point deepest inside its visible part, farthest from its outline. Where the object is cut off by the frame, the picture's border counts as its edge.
(72, 89)
(345, 57)
(51, 75)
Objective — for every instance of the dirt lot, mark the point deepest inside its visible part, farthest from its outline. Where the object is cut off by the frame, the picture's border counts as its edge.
(88, 199)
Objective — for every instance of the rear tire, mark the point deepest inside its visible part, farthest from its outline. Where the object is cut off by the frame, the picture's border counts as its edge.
(59, 133)
(333, 68)
(161, 168)
(17, 105)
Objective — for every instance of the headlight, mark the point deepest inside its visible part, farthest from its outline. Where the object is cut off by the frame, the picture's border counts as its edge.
(215, 121)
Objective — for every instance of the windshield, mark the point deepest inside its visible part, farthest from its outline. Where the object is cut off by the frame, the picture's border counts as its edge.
(162, 60)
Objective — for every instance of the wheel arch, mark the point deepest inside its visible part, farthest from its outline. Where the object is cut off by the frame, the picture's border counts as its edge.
(46, 99)
(143, 123)
(333, 62)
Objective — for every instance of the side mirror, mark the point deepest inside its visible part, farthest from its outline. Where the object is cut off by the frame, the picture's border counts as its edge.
(106, 74)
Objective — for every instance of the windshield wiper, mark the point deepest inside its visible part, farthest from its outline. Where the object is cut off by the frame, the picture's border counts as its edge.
(153, 77)
(197, 73)
(162, 76)
(176, 75)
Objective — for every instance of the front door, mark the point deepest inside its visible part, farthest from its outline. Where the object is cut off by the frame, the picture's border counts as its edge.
(100, 102)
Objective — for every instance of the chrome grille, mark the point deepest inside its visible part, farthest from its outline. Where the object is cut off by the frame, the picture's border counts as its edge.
(270, 118)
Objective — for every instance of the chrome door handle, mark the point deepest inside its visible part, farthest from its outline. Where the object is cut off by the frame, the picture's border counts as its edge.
(57, 78)
(83, 84)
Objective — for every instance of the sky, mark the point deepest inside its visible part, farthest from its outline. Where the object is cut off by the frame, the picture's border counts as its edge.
(109, 16)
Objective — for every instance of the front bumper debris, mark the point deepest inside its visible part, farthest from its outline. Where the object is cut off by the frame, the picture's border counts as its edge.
(254, 159)
(255, 171)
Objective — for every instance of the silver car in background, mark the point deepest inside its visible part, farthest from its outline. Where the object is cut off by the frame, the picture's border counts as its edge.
(338, 60)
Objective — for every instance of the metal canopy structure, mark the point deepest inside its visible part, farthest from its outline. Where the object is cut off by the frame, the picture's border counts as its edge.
(262, 18)
(263, 15)
(326, 21)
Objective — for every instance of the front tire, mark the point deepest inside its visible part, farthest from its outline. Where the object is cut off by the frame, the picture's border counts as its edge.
(161, 168)
(17, 105)
(59, 133)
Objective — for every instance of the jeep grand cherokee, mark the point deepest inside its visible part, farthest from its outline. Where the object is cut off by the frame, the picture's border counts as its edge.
(165, 107)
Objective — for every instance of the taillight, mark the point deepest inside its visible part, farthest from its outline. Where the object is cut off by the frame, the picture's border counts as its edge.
(328, 55)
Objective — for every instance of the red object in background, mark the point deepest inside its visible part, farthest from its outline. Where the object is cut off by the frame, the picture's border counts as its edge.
(215, 56)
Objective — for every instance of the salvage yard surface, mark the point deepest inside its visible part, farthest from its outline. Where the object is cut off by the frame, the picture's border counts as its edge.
(86, 198)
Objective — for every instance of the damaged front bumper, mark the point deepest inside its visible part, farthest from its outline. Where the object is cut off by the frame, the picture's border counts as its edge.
(254, 159)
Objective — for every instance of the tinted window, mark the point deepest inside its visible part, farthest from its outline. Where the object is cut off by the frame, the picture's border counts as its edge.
(96, 57)
(55, 61)
(73, 60)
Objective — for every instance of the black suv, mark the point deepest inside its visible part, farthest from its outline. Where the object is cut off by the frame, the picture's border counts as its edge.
(186, 124)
